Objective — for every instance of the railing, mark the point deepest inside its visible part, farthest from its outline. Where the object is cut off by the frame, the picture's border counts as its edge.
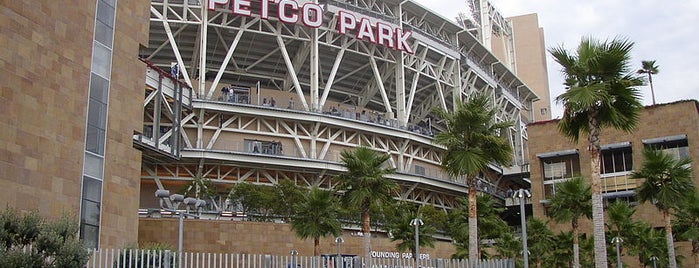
(137, 258)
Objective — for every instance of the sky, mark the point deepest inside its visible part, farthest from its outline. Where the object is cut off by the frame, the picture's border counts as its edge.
(664, 31)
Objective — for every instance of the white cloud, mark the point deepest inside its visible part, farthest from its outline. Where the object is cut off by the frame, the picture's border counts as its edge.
(664, 31)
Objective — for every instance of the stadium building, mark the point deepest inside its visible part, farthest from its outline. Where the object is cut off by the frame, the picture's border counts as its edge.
(107, 102)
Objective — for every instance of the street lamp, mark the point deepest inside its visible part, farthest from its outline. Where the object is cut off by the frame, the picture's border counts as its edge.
(417, 222)
(522, 195)
(618, 241)
(175, 201)
(655, 260)
(339, 242)
(294, 259)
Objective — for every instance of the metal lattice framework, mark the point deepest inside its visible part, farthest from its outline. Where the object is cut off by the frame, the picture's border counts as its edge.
(319, 67)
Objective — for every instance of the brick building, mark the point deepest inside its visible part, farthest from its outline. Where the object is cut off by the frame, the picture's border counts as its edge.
(554, 159)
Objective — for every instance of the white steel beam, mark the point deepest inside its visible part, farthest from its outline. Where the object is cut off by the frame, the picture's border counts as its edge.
(229, 54)
(292, 72)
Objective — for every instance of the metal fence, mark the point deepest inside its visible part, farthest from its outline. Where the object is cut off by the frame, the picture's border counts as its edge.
(135, 258)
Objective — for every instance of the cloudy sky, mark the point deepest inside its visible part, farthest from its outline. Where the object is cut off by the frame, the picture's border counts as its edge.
(665, 31)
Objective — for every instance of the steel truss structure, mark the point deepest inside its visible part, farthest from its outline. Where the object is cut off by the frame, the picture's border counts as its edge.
(320, 68)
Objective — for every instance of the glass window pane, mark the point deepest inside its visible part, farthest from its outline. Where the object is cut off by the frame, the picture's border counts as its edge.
(105, 13)
(628, 161)
(98, 88)
(108, 2)
(92, 189)
(90, 213)
(89, 235)
(93, 165)
(101, 60)
(94, 142)
(104, 33)
(97, 114)
(607, 165)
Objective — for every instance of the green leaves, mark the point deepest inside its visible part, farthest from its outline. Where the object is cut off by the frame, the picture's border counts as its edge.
(472, 138)
(668, 181)
(30, 241)
(599, 85)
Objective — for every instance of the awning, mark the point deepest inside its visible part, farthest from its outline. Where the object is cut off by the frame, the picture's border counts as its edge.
(613, 146)
(559, 153)
(665, 139)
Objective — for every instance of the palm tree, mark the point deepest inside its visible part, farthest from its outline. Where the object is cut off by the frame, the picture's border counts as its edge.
(317, 216)
(620, 223)
(365, 185)
(649, 67)
(600, 92)
(561, 252)
(472, 142)
(508, 246)
(687, 223)
(570, 203)
(668, 181)
(401, 229)
(539, 240)
(650, 243)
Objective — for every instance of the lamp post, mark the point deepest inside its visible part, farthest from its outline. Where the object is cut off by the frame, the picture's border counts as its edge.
(176, 200)
(339, 242)
(618, 240)
(417, 222)
(522, 195)
(294, 259)
(655, 260)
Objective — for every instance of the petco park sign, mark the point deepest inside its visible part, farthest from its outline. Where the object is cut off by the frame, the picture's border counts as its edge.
(311, 15)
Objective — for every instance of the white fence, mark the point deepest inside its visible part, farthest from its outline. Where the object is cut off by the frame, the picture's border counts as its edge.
(134, 258)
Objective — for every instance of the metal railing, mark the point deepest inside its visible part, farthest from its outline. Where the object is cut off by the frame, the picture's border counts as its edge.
(138, 258)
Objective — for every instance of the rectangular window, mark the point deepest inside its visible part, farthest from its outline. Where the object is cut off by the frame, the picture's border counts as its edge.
(676, 146)
(264, 147)
(617, 160)
(557, 169)
(89, 234)
(420, 170)
(562, 167)
(93, 165)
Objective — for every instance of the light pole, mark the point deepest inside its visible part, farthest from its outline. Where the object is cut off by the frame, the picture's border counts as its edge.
(655, 260)
(618, 241)
(176, 200)
(522, 195)
(294, 259)
(417, 222)
(339, 242)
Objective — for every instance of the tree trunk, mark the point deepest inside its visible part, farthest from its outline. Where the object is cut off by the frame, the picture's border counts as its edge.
(650, 81)
(472, 220)
(316, 246)
(597, 204)
(366, 232)
(670, 240)
(576, 244)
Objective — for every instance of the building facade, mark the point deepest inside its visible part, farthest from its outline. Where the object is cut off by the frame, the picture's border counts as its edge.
(70, 75)
(672, 127)
(519, 43)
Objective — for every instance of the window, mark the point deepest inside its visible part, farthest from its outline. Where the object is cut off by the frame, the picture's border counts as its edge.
(264, 147)
(617, 160)
(420, 170)
(557, 168)
(677, 146)
(564, 167)
(544, 111)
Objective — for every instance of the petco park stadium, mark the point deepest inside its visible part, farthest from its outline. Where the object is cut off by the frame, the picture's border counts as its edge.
(306, 80)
